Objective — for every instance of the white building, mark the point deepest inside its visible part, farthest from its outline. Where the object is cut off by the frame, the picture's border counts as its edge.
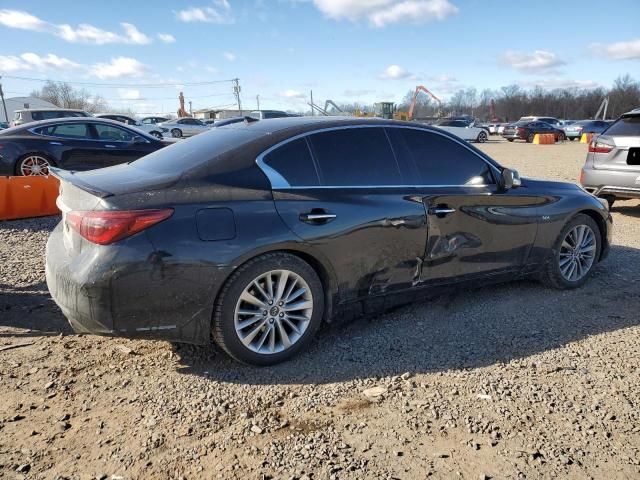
(19, 103)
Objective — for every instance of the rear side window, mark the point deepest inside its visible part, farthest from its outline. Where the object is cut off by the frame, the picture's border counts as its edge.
(355, 156)
(66, 130)
(625, 126)
(293, 161)
(438, 159)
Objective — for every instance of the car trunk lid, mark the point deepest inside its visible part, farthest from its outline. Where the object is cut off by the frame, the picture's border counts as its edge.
(625, 156)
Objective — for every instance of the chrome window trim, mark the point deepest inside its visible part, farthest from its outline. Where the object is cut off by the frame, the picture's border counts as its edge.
(278, 182)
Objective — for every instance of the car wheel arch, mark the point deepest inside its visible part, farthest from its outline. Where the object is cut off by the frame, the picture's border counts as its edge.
(602, 226)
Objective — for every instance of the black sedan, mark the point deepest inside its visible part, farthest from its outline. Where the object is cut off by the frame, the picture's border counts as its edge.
(257, 232)
(71, 144)
(526, 131)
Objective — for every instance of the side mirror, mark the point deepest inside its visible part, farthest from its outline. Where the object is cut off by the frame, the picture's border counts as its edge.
(137, 140)
(509, 179)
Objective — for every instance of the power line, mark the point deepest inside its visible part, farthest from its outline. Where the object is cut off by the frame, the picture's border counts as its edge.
(122, 85)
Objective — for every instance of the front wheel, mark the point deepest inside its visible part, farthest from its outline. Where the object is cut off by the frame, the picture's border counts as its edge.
(561, 137)
(482, 137)
(269, 309)
(176, 133)
(574, 254)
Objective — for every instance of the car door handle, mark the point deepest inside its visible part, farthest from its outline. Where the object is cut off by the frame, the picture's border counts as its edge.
(441, 211)
(317, 217)
(55, 143)
(110, 146)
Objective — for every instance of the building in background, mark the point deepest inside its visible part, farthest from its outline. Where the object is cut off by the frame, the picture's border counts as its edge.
(20, 103)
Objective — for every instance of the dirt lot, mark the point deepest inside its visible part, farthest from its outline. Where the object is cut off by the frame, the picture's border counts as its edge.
(512, 381)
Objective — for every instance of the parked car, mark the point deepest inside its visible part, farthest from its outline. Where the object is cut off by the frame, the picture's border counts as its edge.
(150, 128)
(20, 117)
(264, 114)
(153, 120)
(550, 120)
(494, 128)
(3, 125)
(526, 131)
(612, 167)
(575, 130)
(71, 144)
(228, 121)
(183, 127)
(464, 130)
(257, 232)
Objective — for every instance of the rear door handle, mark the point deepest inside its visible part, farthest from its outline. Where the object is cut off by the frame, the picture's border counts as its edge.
(441, 211)
(55, 143)
(317, 217)
(110, 146)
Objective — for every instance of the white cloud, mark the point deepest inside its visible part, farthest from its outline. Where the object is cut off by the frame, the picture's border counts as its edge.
(83, 33)
(618, 51)
(219, 13)
(292, 94)
(32, 61)
(129, 93)
(229, 56)
(166, 38)
(396, 72)
(380, 13)
(442, 78)
(118, 67)
(538, 61)
(558, 82)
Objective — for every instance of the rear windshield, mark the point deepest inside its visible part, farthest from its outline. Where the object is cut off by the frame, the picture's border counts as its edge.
(198, 150)
(625, 126)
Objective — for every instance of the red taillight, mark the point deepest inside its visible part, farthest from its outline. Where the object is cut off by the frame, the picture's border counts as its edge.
(105, 227)
(599, 147)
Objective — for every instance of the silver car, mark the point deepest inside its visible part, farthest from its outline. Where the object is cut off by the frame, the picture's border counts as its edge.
(183, 127)
(612, 168)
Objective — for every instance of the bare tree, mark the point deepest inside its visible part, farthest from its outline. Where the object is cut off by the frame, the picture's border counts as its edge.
(65, 96)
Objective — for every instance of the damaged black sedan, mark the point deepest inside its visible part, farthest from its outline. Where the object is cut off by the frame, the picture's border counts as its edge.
(255, 233)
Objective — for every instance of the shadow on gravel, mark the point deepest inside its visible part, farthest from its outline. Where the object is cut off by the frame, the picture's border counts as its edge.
(30, 308)
(464, 330)
(627, 210)
(33, 224)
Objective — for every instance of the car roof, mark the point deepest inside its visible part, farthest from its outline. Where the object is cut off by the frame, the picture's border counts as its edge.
(55, 121)
(307, 124)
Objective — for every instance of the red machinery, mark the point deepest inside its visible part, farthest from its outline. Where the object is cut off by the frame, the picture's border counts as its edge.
(415, 97)
(181, 111)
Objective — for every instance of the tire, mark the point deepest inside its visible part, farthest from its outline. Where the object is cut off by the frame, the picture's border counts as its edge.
(255, 344)
(510, 139)
(36, 163)
(571, 139)
(158, 135)
(176, 133)
(482, 137)
(555, 275)
(530, 138)
(561, 137)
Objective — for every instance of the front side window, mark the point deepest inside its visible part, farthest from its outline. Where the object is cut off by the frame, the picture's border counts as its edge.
(438, 159)
(113, 134)
(66, 130)
(355, 156)
(293, 161)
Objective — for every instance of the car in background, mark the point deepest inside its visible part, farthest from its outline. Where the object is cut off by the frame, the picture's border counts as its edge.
(550, 120)
(27, 115)
(151, 129)
(229, 121)
(463, 129)
(183, 127)
(575, 130)
(612, 168)
(494, 128)
(4, 125)
(71, 144)
(153, 120)
(526, 130)
(265, 114)
(257, 232)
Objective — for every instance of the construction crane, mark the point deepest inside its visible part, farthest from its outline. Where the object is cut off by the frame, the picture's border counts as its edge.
(332, 103)
(603, 106)
(424, 89)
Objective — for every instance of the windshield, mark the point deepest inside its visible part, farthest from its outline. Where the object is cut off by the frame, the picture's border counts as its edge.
(197, 150)
(625, 126)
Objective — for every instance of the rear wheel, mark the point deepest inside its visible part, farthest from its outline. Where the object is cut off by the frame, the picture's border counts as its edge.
(482, 137)
(34, 165)
(571, 139)
(530, 138)
(269, 310)
(509, 139)
(176, 133)
(574, 253)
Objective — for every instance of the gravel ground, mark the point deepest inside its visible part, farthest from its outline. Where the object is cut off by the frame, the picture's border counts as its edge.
(509, 381)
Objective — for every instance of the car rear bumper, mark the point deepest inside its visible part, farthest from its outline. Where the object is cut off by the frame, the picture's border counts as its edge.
(129, 291)
(621, 184)
(513, 135)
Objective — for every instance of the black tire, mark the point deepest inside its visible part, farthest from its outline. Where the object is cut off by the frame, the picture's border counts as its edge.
(176, 133)
(561, 137)
(21, 160)
(551, 275)
(510, 139)
(530, 138)
(224, 331)
(156, 134)
(482, 137)
(571, 139)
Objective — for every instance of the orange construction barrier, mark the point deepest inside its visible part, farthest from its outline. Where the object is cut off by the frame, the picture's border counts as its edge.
(544, 139)
(26, 197)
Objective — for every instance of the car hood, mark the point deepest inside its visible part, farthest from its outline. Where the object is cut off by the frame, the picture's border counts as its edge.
(550, 185)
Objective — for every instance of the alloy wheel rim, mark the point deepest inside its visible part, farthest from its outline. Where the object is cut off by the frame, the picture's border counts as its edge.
(273, 312)
(34, 165)
(577, 253)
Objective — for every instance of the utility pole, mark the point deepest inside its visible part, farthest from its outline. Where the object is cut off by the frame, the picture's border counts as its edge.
(236, 92)
(4, 105)
(313, 113)
(258, 101)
